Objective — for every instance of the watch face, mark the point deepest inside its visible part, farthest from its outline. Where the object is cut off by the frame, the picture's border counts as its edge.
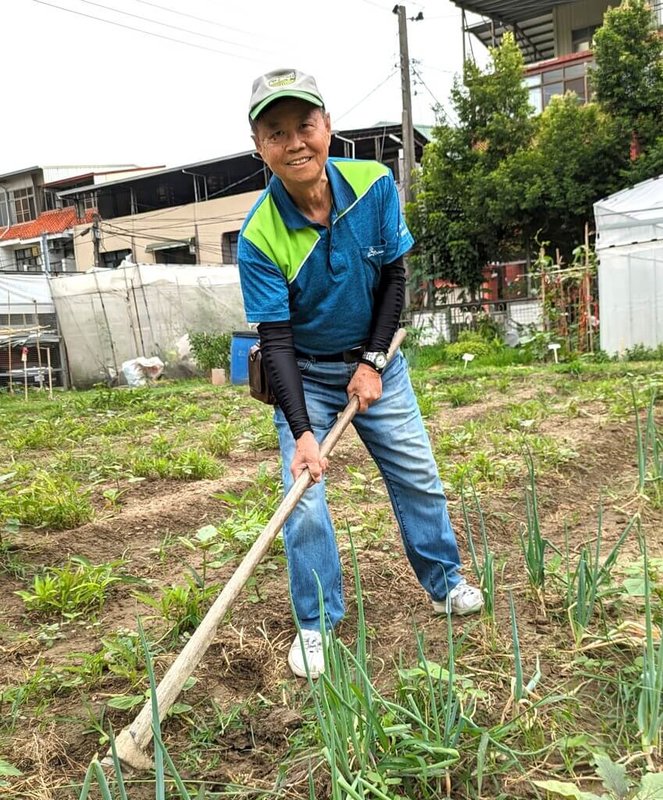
(380, 360)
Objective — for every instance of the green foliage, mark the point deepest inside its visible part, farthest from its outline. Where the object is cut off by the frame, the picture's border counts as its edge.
(189, 464)
(491, 184)
(548, 188)
(183, 606)
(455, 237)
(472, 342)
(70, 590)
(50, 501)
(628, 77)
(614, 779)
(211, 350)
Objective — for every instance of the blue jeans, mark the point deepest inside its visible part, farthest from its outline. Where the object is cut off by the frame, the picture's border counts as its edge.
(393, 432)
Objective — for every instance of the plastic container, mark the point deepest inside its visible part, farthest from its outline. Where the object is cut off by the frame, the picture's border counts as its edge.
(240, 344)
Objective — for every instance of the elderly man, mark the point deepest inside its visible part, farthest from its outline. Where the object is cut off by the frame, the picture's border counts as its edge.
(321, 268)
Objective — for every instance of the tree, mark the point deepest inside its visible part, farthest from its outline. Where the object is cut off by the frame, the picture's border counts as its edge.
(628, 77)
(455, 238)
(547, 190)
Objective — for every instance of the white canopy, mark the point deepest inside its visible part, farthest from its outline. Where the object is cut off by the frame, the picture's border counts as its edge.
(631, 216)
(629, 244)
(20, 291)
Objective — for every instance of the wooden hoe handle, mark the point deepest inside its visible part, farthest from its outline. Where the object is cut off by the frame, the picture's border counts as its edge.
(132, 740)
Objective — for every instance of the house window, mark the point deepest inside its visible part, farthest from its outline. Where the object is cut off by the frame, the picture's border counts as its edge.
(28, 259)
(5, 219)
(51, 200)
(114, 258)
(24, 204)
(581, 38)
(229, 242)
(543, 86)
(89, 201)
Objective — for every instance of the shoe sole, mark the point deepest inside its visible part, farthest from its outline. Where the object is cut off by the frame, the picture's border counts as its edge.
(302, 673)
(441, 609)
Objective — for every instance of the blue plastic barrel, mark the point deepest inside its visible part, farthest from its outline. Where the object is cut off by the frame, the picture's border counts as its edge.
(240, 344)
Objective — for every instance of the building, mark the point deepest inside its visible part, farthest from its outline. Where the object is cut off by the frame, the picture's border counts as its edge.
(554, 36)
(192, 214)
(36, 241)
(36, 224)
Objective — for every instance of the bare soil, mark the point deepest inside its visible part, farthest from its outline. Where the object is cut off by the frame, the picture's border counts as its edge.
(245, 670)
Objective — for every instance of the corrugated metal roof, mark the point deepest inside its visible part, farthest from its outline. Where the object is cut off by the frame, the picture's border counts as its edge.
(530, 20)
(511, 10)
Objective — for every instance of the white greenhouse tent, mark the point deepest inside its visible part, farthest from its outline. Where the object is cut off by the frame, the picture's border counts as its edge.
(629, 246)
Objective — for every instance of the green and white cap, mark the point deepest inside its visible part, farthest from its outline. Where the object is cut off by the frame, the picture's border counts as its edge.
(283, 83)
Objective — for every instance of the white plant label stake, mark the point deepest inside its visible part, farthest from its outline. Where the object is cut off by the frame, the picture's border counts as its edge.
(467, 357)
(554, 347)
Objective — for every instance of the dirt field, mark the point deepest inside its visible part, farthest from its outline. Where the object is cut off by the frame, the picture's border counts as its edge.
(247, 727)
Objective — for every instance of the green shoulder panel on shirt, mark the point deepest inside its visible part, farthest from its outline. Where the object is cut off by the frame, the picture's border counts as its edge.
(361, 175)
(288, 249)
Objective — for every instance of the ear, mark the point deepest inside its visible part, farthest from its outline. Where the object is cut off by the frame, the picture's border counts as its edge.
(257, 144)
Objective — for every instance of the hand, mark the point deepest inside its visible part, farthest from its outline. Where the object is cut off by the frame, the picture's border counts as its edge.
(307, 454)
(366, 384)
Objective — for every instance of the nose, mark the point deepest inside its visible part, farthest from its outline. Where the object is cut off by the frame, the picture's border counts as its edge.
(293, 140)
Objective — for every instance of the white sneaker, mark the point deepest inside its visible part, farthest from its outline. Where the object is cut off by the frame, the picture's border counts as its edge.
(310, 654)
(462, 599)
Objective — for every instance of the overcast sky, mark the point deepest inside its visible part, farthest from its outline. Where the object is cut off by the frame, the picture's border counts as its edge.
(83, 91)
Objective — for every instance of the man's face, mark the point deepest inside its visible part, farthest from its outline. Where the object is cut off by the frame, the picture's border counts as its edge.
(293, 137)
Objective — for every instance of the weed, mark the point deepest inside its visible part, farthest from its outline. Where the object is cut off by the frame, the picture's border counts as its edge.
(222, 439)
(183, 606)
(56, 502)
(461, 394)
(70, 590)
(189, 464)
(261, 433)
(614, 778)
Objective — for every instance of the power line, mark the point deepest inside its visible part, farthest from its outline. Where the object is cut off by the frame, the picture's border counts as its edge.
(167, 25)
(193, 16)
(359, 102)
(143, 31)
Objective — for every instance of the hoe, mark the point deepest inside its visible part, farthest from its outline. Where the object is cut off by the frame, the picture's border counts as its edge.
(133, 740)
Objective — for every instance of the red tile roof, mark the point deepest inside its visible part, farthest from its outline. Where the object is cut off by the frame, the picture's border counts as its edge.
(58, 221)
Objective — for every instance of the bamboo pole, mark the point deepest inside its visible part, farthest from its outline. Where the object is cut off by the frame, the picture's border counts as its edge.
(9, 341)
(41, 378)
(588, 299)
(24, 359)
(132, 740)
(50, 373)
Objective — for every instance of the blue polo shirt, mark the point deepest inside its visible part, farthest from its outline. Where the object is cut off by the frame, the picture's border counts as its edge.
(322, 280)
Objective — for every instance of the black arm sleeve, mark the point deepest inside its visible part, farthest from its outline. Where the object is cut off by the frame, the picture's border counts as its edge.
(278, 351)
(389, 300)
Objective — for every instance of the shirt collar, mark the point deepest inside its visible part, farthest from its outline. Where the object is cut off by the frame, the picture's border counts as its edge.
(343, 196)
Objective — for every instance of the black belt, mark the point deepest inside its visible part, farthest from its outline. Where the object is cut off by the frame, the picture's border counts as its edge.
(349, 356)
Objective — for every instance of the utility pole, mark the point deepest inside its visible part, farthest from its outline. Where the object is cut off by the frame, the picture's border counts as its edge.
(45, 257)
(96, 236)
(408, 126)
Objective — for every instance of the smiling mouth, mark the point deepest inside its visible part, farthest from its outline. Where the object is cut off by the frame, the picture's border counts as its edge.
(297, 162)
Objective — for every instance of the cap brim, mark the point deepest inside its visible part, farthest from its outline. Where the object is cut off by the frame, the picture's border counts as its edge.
(310, 98)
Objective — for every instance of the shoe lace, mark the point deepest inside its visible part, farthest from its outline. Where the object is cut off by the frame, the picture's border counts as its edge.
(461, 591)
(312, 642)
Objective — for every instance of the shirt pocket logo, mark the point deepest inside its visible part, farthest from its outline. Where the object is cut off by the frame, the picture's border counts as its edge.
(375, 251)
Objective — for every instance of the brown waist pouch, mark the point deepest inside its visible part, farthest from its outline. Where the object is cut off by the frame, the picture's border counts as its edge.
(259, 387)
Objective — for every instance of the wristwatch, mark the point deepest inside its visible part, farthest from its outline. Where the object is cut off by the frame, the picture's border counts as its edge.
(376, 359)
